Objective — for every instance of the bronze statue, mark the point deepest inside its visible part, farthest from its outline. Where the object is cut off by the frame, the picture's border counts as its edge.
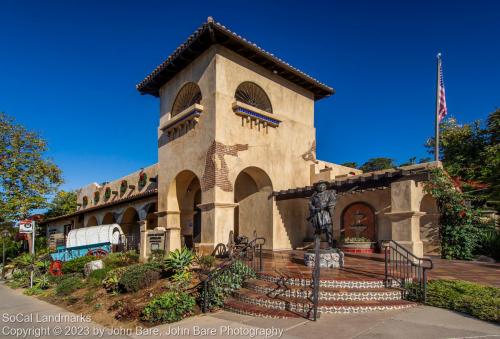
(320, 204)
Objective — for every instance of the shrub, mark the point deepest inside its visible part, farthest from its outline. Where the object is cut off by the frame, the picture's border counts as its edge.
(127, 311)
(169, 307)
(480, 301)
(112, 278)
(33, 291)
(157, 255)
(121, 259)
(76, 265)
(42, 282)
(461, 228)
(490, 244)
(20, 278)
(225, 282)
(179, 260)
(206, 262)
(96, 277)
(138, 276)
(68, 286)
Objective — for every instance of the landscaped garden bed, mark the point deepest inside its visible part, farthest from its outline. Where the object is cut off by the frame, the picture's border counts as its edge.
(128, 293)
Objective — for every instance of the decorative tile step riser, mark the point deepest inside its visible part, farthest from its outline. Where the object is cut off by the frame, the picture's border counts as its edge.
(304, 282)
(253, 314)
(307, 308)
(340, 296)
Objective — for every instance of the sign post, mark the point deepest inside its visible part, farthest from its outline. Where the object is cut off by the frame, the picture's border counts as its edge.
(28, 226)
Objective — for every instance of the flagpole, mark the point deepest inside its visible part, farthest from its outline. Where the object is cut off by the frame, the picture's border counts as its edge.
(436, 141)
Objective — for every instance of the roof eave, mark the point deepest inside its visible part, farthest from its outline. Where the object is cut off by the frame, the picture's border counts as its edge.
(211, 33)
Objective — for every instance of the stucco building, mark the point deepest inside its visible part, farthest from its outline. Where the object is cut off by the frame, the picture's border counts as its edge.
(237, 152)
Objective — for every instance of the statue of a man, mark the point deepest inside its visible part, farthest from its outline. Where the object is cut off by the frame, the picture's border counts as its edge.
(320, 204)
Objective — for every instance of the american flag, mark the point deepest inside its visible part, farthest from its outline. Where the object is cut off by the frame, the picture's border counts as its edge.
(442, 111)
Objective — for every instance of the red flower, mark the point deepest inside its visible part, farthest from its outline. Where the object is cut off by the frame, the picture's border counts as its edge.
(462, 214)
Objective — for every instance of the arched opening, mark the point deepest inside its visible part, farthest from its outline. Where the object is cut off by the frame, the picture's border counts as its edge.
(254, 212)
(429, 225)
(358, 221)
(131, 228)
(187, 96)
(151, 216)
(253, 95)
(92, 221)
(184, 196)
(108, 219)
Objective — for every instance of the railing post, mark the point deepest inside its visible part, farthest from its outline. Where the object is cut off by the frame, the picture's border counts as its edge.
(260, 257)
(386, 281)
(424, 292)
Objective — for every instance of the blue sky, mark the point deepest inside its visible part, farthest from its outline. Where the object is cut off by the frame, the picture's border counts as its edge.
(68, 70)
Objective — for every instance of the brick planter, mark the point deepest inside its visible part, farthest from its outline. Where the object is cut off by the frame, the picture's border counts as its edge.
(358, 247)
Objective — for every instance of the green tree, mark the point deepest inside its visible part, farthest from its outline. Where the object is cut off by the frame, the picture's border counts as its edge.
(411, 161)
(471, 152)
(376, 164)
(26, 176)
(350, 164)
(63, 203)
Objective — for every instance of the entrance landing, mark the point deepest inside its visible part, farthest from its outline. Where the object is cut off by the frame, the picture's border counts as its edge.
(371, 266)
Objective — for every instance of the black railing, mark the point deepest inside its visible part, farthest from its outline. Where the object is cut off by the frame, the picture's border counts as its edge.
(406, 271)
(249, 253)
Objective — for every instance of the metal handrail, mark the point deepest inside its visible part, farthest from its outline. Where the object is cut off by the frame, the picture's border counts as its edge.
(242, 254)
(408, 270)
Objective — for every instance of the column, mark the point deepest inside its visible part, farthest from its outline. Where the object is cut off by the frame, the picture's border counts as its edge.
(217, 221)
(405, 216)
(173, 236)
(143, 226)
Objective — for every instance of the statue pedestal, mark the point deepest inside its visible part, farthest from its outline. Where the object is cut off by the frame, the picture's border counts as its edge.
(328, 258)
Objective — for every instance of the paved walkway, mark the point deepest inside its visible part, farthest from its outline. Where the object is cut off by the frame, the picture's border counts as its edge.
(419, 322)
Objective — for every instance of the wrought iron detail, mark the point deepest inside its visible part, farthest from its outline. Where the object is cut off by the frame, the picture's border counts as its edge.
(188, 95)
(239, 249)
(407, 271)
(251, 94)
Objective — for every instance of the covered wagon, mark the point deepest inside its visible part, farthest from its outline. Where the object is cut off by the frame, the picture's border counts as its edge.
(96, 240)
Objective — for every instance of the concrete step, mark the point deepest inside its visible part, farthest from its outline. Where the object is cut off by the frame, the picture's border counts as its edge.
(272, 289)
(236, 306)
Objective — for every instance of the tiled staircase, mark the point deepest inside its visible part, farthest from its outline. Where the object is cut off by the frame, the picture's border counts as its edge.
(277, 296)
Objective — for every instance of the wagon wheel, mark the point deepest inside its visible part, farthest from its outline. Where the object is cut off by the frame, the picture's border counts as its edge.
(55, 268)
(98, 253)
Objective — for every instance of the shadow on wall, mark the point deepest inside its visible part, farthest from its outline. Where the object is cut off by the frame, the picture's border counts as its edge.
(294, 213)
(253, 194)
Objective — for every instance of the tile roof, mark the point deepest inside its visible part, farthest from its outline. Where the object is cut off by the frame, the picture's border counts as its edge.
(145, 194)
(366, 181)
(211, 33)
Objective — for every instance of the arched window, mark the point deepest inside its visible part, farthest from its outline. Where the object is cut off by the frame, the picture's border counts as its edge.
(251, 94)
(188, 95)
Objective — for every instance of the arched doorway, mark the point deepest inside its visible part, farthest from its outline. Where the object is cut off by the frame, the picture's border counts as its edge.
(131, 228)
(184, 196)
(358, 221)
(253, 194)
(151, 216)
(108, 219)
(92, 221)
